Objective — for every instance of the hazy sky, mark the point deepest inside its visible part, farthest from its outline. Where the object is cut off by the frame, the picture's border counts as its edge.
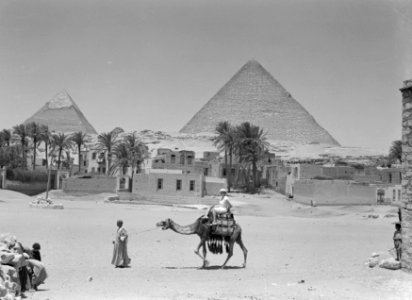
(153, 64)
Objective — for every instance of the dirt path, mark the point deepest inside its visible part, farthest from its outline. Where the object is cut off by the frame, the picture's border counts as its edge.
(295, 252)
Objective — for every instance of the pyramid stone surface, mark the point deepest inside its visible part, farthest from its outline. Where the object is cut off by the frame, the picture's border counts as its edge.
(253, 95)
(61, 114)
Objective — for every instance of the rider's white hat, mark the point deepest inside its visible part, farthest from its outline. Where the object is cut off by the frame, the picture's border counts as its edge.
(222, 191)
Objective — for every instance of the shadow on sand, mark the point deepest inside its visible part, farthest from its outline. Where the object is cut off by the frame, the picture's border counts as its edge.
(208, 268)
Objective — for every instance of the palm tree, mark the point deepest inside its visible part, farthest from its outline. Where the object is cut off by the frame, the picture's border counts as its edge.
(395, 152)
(225, 141)
(129, 152)
(45, 137)
(60, 142)
(80, 138)
(250, 147)
(34, 132)
(5, 137)
(21, 131)
(107, 141)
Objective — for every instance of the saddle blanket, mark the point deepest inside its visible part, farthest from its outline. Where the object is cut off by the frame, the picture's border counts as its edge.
(225, 224)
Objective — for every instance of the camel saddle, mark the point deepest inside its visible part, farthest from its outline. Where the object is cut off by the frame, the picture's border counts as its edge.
(225, 224)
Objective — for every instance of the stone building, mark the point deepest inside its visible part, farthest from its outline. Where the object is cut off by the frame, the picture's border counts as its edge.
(406, 210)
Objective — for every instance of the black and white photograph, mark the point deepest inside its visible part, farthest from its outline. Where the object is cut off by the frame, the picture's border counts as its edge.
(206, 149)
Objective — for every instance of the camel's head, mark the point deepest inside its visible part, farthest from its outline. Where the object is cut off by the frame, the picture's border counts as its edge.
(164, 224)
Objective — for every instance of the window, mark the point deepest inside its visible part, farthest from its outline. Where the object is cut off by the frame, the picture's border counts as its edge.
(178, 185)
(104, 170)
(173, 159)
(394, 195)
(84, 163)
(390, 178)
(189, 160)
(94, 155)
(399, 195)
(206, 171)
(159, 183)
(93, 170)
(43, 163)
(191, 185)
(224, 172)
(182, 159)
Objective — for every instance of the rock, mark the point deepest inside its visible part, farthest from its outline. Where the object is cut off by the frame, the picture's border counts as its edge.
(375, 254)
(373, 262)
(112, 198)
(390, 264)
(373, 216)
(90, 278)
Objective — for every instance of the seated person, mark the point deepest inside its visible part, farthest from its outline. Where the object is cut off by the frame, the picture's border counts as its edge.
(224, 206)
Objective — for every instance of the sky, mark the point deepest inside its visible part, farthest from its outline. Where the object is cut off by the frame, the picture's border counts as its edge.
(153, 64)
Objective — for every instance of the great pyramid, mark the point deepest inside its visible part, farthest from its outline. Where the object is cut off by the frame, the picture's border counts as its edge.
(253, 95)
(61, 114)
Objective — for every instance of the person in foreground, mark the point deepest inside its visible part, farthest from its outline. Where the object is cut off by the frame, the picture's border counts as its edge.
(120, 257)
(397, 240)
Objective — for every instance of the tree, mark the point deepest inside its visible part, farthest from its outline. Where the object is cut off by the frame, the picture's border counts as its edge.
(395, 152)
(61, 142)
(5, 137)
(250, 147)
(80, 139)
(21, 131)
(34, 131)
(45, 137)
(130, 152)
(107, 141)
(225, 141)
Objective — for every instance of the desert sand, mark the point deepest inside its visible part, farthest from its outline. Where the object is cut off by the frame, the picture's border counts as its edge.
(295, 251)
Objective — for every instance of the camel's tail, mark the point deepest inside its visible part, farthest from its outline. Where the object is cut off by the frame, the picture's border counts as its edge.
(217, 243)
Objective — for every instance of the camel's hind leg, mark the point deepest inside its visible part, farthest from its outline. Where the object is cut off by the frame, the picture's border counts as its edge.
(242, 246)
(229, 254)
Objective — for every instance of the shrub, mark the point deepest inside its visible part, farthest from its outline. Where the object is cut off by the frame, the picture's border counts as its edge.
(322, 178)
(26, 175)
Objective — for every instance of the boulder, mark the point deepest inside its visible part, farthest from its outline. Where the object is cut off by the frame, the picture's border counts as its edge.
(373, 262)
(390, 264)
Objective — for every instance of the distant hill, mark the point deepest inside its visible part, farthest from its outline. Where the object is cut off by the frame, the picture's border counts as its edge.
(283, 149)
(253, 95)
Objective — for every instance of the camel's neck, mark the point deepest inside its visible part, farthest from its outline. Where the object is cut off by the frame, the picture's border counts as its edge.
(188, 229)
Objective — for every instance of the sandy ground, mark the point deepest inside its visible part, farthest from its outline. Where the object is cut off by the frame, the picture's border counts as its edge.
(295, 252)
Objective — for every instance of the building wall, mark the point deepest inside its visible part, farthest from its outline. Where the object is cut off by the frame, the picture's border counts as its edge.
(338, 172)
(147, 184)
(392, 193)
(92, 184)
(213, 185)
(334, 192)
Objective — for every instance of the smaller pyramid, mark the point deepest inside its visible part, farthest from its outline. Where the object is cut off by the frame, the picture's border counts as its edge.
(61, 114)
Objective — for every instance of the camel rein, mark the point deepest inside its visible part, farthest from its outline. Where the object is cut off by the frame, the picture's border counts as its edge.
(143, 231)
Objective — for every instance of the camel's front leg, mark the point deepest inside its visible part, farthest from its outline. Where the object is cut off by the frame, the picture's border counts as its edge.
(202, 244)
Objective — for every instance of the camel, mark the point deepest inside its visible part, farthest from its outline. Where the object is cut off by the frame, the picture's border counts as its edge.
(202, 228)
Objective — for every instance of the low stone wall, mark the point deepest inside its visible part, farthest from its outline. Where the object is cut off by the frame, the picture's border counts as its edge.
(333, 192)
(90, 184)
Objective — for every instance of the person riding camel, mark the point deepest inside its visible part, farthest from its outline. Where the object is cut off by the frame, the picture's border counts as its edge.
(224, 206)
